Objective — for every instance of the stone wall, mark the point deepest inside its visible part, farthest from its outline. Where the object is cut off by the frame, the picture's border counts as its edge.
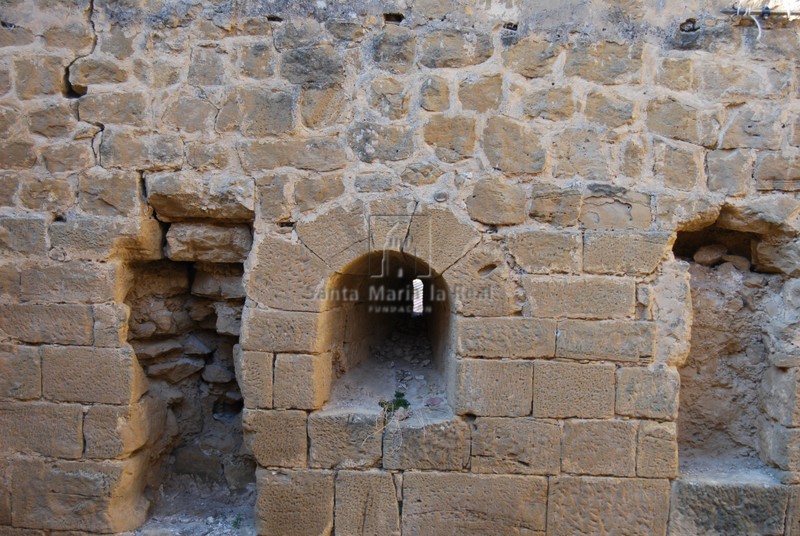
(186, 184)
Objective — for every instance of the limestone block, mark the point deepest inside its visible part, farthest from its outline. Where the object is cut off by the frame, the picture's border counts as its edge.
(650, 392)
(426, 440)
(50, 324)
(532, 57)
(676, 73)
(625, 252)
(253, 60)
(302, 381)
(779, 446)
(729, 172)
(280, 331)
(54, 430)
(555, 104)
(109, 192)
(219, 284)
(600, 448)
(388, 97)
(190, 114)
(605, 62)
(52, 121)
(580, 296)
(555, 205)
(337, 236)
(612, 340)
(315, 154)
(482, 94)
(479, 283)
(203, 156)
(45, 193)
(366, 503)
(545, 252)
(581, 152)
(321, 108)
(512, 337)
(455, 48)
(563, 390)
(435, 94)
(295, 503)
(420, 174)
(781, 395)
(118, 431)
(345, 438)
(208, 242)
(91, 375)
(127, 108)
(374, 142)
(41, 76)
(74, 282)
(276, 438)
(186, 195)
(657, 450)
(17, 154)
(778, 254)
(774, 171)
(66, 157)
(679, 166)
(672, 119)
(753, 127)
(462, 503)
(497, 202)
(512, 148)
(521, 445)
(9, 184)
(452, 138)
(302, 287)
(140, 150)
(594, 505)
(207, 66)
(20, 372)
(313, 67)
(612, 208)
(714, 507)
(493, 388)
(111, 325)
(311, 192)
(439, 237)
(16, 36)
(608, 109)
(257, 112)
(394, 49)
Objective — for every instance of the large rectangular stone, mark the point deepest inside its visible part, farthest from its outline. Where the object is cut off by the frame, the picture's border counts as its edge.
(512, 337)
(343, 438)
(426, 440)
(657, 450)
(624, 252)
(302, 381)
(49, 324)
(608, 340)
(601, 448)
(779, 446)
(563, 390)
(280, 331)
(546, 252)
(54, 430)
(23, 234)
(295, 503)
(276, 438)
(315, 154)
(650, 392)
(580, 297)
(366, 503)
(774, 171)
(493, 388)
(254, 371)
(111, 325)
(208, 242)
(102, 238)
(595, 505)
(20, 372)
(92, 375)
(520, 445)
(781, 392)
(118, 431)
(74, 282)
(463, 503)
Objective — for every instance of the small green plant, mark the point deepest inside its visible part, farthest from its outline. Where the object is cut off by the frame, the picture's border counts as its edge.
(399, 401)
(237, 521)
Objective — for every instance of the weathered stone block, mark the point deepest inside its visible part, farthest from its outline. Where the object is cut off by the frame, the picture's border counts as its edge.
(612, 340)
(609, 110)
(202, 156)
(452, 138)
(20, 372)
(74, 282)
(435, 94)
(67, 157)
(302, 381)
(545, 252)
(52, 121)
(17, 154)
(781, 395)
(366, 503)
(592, 505)
(563, 390)
(91, 375)
(479, 283)
(679, 166)
(650, 392)
(276, 438)
(440, 237)
(729, 172)
(113, 108)
(320, 108)
(601, 448)
(257, 113)
(497, 202)
(254, 371)
(315, 154)
(494, 388)
(754, 127)
(313, 67)
(555, 104)
(482, 94)
(372, 141)
(779, 446)
(672, 119)
(186, 195)
(295, 503)
(253, 60)
(657, 450)
(50, 324)
(111, 325)
(208, 242)
(460, 503)
(190, 114)
(511, 337)
(521, 445)
(118, 431)
(512, 148)
(39, 76)
(280, 331)
(774, 171)
(94, 70)
(581, 152)
(455, 48)
(427, 440)
(207, 66)
(605, 62)
(531, 57)
(625, 252)
(219, 282)
(138, 150)
(47, 193)
(343, 438)
(394, 49)
(555, 205)
(388, 97)
(580, 297)
(109, 192)
(54, 430)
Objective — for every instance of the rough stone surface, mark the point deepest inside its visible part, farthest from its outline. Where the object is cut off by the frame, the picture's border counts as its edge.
(582, 455)
(494, 388)
(366, 503)
(586, 297)
(523, 446)
(208, 242)
(506, 337)
(454, 48)
(426, 442)
(650, 392)
(613, 340)
(497, 202)
(512, 148)
(301, 381)
(563, 390)
(295, 503)
(276, 438)
(657, 450)
(452, 138)
(345, 439)
(182, 196)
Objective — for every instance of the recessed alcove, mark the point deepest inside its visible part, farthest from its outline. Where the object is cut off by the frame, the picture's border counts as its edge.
(387, 345)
